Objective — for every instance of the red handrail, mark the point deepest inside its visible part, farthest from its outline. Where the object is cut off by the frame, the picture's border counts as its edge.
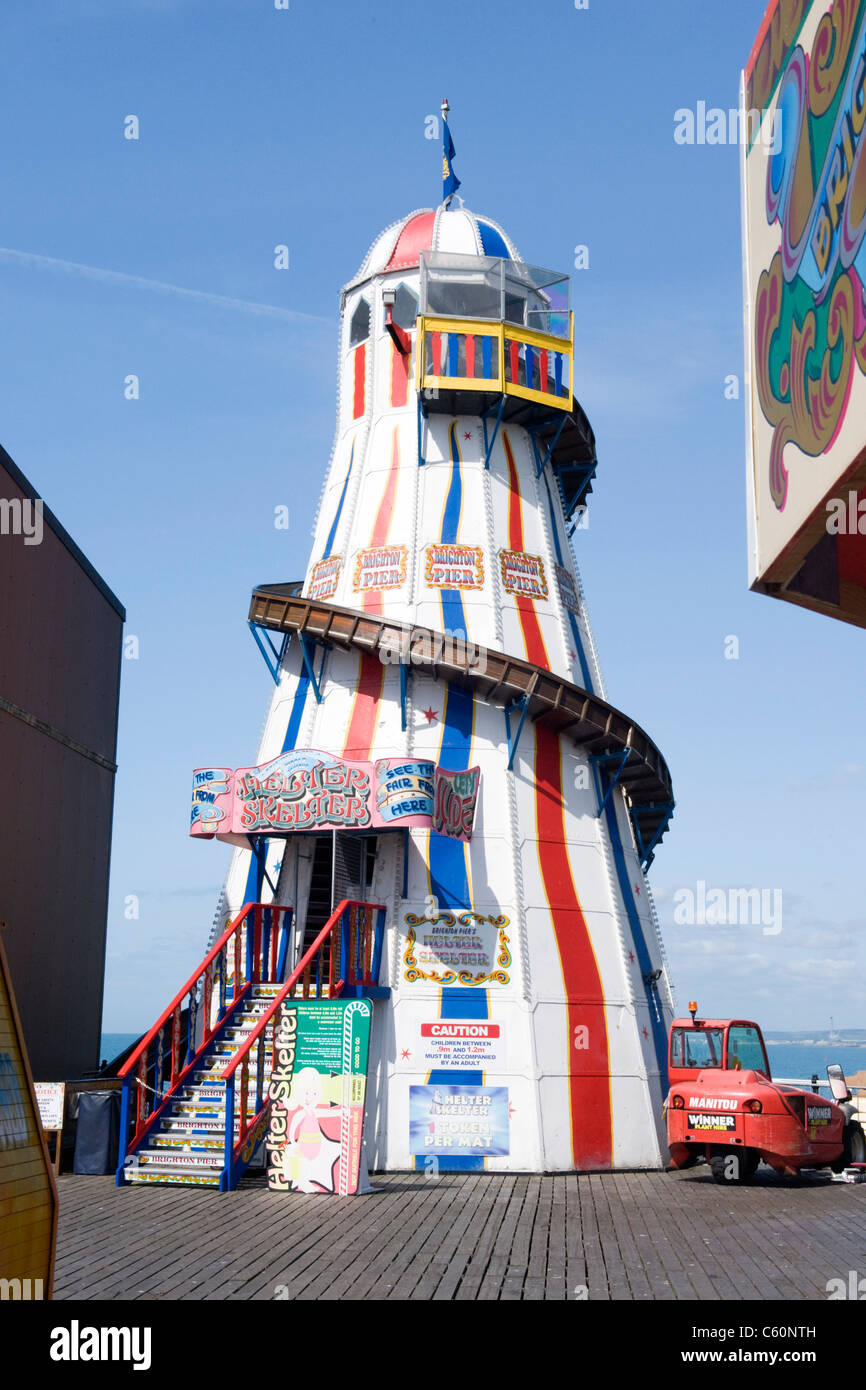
(191, 982)
(333, 929)
(279, 999)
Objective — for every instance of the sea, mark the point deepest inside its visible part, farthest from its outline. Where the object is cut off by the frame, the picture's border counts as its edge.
(800, 1061)
(793, 1061)
(113, 1044)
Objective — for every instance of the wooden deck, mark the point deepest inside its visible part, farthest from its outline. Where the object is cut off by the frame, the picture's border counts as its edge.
(634, 1236)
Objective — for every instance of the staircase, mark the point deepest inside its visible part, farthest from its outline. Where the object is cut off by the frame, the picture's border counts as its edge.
(188, 1144)
(194, 1104)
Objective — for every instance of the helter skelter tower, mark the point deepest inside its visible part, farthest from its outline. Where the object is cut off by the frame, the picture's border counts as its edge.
(441, 621)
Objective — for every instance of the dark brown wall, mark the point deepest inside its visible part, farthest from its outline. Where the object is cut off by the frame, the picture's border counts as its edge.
(60, 651)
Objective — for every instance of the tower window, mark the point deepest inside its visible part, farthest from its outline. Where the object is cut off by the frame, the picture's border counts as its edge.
(405, 310)
(359, 328)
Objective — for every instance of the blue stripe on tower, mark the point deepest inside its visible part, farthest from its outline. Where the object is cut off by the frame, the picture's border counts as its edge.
(333, 531)
(453, 615)
(660, 1044)
(449, 879)
(299, 701)
(657, 1023)
(575, 630)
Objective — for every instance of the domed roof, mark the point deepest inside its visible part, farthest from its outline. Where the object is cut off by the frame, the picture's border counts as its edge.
(458, 230)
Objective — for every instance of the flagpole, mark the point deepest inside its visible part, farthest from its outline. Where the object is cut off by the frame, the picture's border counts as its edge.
(448, 176)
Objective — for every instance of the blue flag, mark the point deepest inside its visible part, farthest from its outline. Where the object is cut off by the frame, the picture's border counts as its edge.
(450, 181)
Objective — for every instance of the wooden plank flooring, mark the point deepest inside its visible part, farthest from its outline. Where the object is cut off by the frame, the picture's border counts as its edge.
(599, 1236)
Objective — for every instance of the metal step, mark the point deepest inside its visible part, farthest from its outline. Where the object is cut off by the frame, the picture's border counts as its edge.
(173, 1159)
(164, 1176)
(194, 1143)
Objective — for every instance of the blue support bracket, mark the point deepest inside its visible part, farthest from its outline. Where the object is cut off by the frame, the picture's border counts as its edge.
(602, 760)
(308, 651)
(421, 418)
(273, 656)
(647, 851)
(541, 464)
(404, 683)
(588, 473)
(488, 443)
(513, 739)
(259, 846)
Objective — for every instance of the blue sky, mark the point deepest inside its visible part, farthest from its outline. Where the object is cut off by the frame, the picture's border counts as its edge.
(306, 127)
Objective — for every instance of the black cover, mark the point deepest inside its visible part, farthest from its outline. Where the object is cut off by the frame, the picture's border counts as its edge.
(97, 1134)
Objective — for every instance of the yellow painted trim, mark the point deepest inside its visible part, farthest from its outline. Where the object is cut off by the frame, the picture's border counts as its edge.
(500, 331)
(536, 339)
(558, 402)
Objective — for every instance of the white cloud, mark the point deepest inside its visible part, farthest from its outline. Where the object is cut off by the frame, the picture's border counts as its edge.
(31, 261)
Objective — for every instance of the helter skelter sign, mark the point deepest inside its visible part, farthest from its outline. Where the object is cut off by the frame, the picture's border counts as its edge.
(309, 790)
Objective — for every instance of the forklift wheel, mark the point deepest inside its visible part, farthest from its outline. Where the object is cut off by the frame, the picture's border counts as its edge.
(734, 1165)
(854, 1150)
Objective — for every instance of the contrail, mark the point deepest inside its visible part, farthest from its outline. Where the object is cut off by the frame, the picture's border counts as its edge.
(117, 277)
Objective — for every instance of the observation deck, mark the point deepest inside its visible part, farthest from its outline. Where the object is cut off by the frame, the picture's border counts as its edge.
(495, 338)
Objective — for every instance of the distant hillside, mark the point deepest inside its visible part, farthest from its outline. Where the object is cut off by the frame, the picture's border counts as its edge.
(796, 1035)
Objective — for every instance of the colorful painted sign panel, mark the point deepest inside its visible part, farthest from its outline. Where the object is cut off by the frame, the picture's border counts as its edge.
(567, 589)
(211, 800)
(453, 1121)
(404, 789)
(456, 796)
(306, 789)
(522, 574)
(381, 568)
(463, 948)
(804, 176)
(317, 1091)
(459, 1044)
(454, 566)
(324, 577)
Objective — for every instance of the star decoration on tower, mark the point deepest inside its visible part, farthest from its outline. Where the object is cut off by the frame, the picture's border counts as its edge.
(631, 956)
(637, 890)
(646, 1032)
(405, 1054)
(573, 656)
(467, 434)
(430, 715)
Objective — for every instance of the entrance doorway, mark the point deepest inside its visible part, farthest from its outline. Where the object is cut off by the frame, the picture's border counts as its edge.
(343, 864)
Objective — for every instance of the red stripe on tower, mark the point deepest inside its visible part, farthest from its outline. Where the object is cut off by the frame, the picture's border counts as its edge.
(360, 378)
(588, 1055)
(372, 601)
(365, 709)
(533, 641)
(399, 375)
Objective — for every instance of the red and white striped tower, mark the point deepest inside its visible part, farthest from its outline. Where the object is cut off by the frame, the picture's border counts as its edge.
(526, 1024)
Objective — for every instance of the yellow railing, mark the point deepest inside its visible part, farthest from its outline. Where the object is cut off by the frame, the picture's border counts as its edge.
(489, 355)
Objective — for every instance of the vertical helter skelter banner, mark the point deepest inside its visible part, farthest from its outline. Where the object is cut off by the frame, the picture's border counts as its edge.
(317, 1092)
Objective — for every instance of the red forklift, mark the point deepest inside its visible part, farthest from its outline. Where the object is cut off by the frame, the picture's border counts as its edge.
(724, 1106)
